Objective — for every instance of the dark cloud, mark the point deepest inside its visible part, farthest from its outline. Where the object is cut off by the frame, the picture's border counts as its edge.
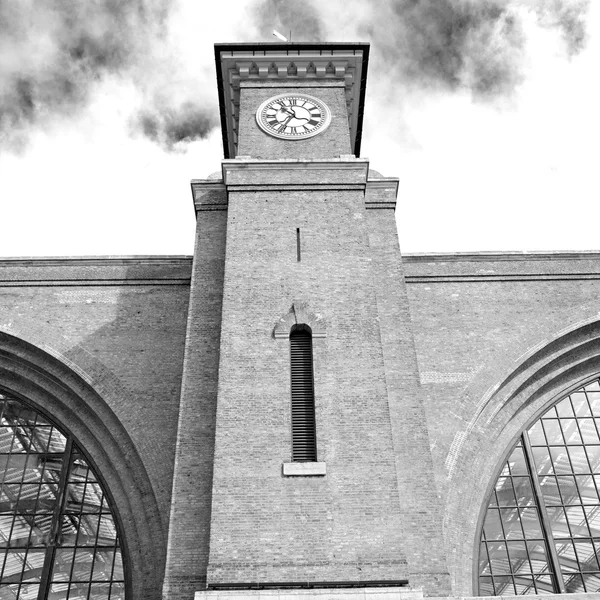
(570, 17)
(299, 16)
(451, 44)
(170, 126)
(54, 53)
(479, 45)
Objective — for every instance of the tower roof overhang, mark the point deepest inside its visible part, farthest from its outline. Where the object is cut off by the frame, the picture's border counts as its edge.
(290, 61)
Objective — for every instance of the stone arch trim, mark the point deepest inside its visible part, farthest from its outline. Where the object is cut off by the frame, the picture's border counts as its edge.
(542, 376)
(300, 314)
(59, 391)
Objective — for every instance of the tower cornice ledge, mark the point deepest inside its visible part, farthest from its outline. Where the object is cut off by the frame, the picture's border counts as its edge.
(335, 172)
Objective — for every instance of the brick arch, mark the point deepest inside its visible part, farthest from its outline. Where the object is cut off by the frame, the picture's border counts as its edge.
(542, 377)
(59, 391)
(300, 314)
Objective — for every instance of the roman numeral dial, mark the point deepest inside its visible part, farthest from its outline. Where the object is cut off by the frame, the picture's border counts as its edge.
(293, 116)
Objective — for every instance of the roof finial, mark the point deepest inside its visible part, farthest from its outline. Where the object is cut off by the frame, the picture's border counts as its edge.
(282, 37)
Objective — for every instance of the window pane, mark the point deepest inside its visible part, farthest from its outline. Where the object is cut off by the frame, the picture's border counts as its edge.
(511, 521)
(593, 517)
(571, 433)
(504, 586)
(564, 408)
(519, 560)
(549, 487)
(589, 434)
(517, 462)
(587, 489)
(524, 586)
(568, 489)
(580, 404)
(486, 587)
(553, 431)
(593, 454)
(586, 555)
(560, 459)
(493, 526)
(505, 495)
(577, 522)
(538, 557)
(592, 583)
(566, 556)
(536, 434)
(543, 461)
(574, 584)
(544, 584)
(531, 523)
(523, 491)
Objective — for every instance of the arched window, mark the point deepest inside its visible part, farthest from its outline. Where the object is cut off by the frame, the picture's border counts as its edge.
(304, 436)
(58, 536)
(541, 532)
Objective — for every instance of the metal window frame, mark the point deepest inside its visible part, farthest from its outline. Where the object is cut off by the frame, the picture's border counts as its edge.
(558, 576)
(72, 449)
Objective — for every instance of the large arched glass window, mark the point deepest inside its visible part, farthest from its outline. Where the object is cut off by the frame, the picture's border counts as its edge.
(58, 537)
(541, 532)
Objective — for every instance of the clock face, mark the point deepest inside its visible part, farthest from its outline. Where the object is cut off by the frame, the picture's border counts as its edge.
(293, 116)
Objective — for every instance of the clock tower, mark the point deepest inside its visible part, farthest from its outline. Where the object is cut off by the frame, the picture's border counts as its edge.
(303, 463)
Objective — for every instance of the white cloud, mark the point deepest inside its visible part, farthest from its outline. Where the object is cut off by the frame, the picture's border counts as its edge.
(508, 174)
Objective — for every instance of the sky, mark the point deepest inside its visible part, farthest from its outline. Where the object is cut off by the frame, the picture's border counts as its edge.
(486, 110)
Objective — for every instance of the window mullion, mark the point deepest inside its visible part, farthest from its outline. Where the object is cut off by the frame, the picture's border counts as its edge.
(55, 526)
(546, 527)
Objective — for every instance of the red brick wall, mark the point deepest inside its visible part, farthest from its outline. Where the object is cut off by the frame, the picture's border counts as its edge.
(498, 338)
(346, 525)
(192, 486)
(116, 327)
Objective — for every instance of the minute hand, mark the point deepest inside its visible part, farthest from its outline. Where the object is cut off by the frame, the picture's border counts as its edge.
(284, 123)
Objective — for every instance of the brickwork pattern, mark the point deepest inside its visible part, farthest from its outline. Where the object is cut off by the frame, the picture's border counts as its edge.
(192, 486)
(419, 498)
(346, 525)
(99, 349)
(122, 327)
(498, 338)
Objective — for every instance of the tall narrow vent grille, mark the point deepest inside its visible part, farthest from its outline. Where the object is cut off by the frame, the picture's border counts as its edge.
(304, 439)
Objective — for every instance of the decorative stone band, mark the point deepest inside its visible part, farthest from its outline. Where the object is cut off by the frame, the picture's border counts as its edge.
(292, 171)
(344, 590)
(247, 174)
(209, 195)
(381, 193)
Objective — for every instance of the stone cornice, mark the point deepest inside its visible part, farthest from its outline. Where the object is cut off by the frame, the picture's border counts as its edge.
(95, 271)
(209, 194)
(254, 175)
(381, 192)
(344, 63)
(336, 173)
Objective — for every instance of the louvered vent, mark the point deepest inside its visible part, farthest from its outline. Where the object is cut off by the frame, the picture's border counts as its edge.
(304, 440)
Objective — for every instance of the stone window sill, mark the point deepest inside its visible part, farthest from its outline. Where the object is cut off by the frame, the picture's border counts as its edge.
(303, 469)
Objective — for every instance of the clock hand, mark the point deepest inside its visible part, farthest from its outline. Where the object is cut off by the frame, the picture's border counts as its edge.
(284, 123)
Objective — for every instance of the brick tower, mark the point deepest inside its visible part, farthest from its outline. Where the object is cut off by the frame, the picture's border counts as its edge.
(303, 461)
